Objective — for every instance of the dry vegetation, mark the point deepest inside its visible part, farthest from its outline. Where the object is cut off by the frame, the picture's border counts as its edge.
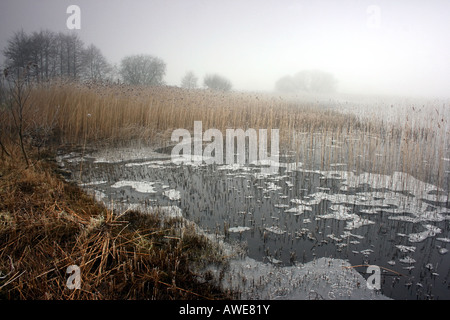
(47, 224)
(118, 113)
(313, 133)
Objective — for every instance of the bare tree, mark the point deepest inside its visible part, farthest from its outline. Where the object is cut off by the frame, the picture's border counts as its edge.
(3, 111)
(52, 55)
(142, 70)
(43, 52)
(95, 65)
(217, 82)
(19, 89)
(17, 53)
(70, 55)
(189, 81)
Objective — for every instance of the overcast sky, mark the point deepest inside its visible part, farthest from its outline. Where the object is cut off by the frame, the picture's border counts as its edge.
(375, 46)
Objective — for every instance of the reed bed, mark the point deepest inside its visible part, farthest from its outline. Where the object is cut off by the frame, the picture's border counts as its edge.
(117, 113)
(47, 224)
(311, 132)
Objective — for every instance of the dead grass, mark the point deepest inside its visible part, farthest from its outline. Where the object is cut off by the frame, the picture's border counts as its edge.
(47, 225)
(110, 115)
(116, 113)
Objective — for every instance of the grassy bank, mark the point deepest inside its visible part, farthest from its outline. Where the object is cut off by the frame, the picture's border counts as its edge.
(47, 224)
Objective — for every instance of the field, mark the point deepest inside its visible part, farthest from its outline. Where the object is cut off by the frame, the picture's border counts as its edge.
(362, 179)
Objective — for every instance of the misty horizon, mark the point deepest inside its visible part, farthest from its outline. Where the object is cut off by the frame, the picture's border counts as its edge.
(371, 47)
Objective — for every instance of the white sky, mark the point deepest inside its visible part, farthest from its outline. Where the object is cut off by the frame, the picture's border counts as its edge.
(254, 43)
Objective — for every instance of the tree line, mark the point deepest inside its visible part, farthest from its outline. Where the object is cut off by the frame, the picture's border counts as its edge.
(47, 55)
(54, 55)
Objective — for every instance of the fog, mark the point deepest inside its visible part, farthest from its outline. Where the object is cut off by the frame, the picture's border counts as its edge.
(371, 47)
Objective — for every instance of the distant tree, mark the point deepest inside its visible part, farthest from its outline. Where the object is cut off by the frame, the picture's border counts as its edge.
(43, 53)
(217, 82)
(286, 84)
(314, 81)
(95, 65)
(17, 53)
(142, 70)
(70, 55)
(189, 81)
(49, 53)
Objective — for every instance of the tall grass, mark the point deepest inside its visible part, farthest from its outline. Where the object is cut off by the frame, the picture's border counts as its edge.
(46, 225)
(317, 135)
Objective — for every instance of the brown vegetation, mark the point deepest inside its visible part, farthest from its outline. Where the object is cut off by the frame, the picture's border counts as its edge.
(47, 224)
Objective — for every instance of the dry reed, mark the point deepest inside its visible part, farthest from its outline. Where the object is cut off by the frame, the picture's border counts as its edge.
(47, 224)
(316, 134)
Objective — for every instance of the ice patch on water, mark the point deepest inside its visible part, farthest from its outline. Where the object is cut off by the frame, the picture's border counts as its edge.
(154, 164)
(92, 183)
(191, 160)
(366, 252)
(403, 248)
(407, 260)
(172, 194)
(424, 216)
(270, 186)
(273, 260)
(398, 181)
(276, 230)
(358, 222)
(421, 236)
(98, 195)
(299, 209)
(238, 229)
(340, 212)
(139, 186)
(370, 211)
(348, 234)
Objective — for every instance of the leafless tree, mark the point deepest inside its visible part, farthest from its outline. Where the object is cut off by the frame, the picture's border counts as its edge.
(19, 89)
(189, 81)
(52, 54)
(95, 65)
(3, 111)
